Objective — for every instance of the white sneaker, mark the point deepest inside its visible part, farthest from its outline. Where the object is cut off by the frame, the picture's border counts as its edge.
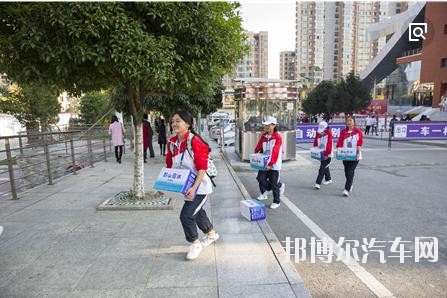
(274, 205)
(346, 193)
(1, 230)
(262, 197)
(327, 182)
(194, 251)
(317, 186)
(282, 189)
(207, 240)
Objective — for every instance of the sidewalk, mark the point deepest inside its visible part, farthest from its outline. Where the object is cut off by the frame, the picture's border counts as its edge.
(55, 243)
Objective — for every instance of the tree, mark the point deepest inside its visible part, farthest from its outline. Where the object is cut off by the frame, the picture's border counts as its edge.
(352, 95)
(148, 48)
(319, 100)
(93, 105)
(31, 104)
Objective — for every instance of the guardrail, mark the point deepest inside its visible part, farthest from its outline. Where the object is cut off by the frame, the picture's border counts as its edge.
(29, 160)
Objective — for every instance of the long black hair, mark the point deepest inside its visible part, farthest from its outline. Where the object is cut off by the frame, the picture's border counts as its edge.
(189, 119)
(114, 118)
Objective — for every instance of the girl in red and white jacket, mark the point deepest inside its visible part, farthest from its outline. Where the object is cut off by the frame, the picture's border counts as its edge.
(323, 140)
(178, 156)
(350, 137)
(270, 144)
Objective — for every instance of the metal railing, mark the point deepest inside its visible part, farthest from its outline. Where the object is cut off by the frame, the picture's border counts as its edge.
(29, 160)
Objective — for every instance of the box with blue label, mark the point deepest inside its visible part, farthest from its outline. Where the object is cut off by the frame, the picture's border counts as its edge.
(317, 153)
(346, 153)
(258, 161)
(176, 180)
(252, 210)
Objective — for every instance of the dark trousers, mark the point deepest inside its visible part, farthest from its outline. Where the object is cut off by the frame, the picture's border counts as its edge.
(367, 129)
(151, 150)
(324, 171)
(350, 166)
(269, 180)
(193, 216)
(162, 149)
(118, 153)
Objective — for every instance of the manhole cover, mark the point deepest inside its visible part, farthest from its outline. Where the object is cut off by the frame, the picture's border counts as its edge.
(154, 200)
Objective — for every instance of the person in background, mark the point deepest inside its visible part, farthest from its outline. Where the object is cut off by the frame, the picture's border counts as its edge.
(147, 138)
(192, 215)
(392, 122)
(323, 140)
(162, 136)
(116, 129)
(350, 137)
(270, 144)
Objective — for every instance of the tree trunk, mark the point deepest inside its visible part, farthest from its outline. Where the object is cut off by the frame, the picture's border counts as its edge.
(138, 178)
(135, 106)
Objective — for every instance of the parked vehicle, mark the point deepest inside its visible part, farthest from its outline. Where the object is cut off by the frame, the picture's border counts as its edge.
(215, 130)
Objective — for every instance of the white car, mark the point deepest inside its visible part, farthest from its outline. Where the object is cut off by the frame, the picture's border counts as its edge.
(229, 138)
(215, 130)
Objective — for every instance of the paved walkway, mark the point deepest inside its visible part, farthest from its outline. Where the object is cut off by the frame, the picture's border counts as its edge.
(55, 243)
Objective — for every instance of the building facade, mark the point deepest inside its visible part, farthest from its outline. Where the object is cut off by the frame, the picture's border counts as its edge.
(287, 60)
(331, 37)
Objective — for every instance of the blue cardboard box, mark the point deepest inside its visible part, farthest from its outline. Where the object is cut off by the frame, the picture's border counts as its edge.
(252, 210)
(176, 180)
(345, 153)
(317, 153)
(258, 161)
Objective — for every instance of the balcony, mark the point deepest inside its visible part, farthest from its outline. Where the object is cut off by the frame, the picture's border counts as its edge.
(410, 56)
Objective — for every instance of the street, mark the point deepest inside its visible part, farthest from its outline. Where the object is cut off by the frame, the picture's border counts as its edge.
(397, 193)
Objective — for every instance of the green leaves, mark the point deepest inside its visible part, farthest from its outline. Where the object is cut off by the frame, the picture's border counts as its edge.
(347, 96)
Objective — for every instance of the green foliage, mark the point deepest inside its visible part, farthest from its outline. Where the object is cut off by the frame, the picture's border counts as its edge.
(353, 96)
(151, 48)
(93, 105)
(320, 99)
(347, 96)
(31, 104)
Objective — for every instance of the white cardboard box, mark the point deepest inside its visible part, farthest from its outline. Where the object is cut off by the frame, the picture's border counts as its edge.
(252, 210)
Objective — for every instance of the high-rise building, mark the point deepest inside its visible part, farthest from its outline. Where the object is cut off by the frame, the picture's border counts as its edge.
(287, 62)
(255, 62)
(331, 37)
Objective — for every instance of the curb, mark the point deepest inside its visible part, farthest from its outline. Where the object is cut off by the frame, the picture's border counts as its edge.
(293, 277)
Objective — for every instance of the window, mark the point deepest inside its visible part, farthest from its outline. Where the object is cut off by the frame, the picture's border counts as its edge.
(444, 62)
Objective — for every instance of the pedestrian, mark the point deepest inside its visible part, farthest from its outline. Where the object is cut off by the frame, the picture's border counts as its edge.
(147, 138)
(323, 140)
(192, 214)
(270, 144)
(162, 136)
(392, 122)
(350, 137)
(369, 121)
(375, 122)
(116, 129)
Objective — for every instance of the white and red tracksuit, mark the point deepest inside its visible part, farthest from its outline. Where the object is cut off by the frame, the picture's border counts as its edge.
(269, 180)
(192, 214)
(352, 139)
(324, 141)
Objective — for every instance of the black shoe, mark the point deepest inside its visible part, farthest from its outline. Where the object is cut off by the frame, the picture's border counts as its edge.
(145, 161)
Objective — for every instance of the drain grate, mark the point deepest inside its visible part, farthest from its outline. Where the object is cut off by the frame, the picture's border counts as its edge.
(122, 201)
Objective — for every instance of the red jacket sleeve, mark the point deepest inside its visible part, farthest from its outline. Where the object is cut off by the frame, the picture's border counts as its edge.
(201, 153)
(316, 139)
(259, 145)
(169, 155)
(276, 150)
(329, 143)
(341, 139)
(360, 141)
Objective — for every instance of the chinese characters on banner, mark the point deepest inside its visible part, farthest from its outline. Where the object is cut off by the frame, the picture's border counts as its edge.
(306, 132)
(327, 250)
(420, 130)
